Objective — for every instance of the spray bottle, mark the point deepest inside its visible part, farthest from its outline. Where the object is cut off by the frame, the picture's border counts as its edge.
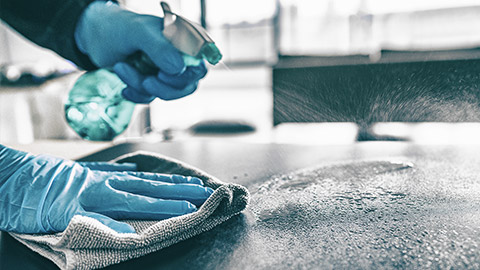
(96, 108)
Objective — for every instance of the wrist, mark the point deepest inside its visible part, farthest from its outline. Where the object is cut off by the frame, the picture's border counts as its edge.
(10, 161)
(83, 30)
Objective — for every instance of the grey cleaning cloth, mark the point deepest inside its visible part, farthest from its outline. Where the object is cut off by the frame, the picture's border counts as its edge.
(88, 244)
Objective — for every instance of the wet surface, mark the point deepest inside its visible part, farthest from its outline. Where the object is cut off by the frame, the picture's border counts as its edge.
(364, 215)
(363, 206)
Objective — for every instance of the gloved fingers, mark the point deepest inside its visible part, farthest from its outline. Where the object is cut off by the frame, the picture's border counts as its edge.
(180, 81)
(166, 92)
(124, 205)
(165, 56)
(196, 194)
(137, 96)
(168, 178)
(109, 167)
(117, 226)
(129, 75)
(134, 90)
(164, 86)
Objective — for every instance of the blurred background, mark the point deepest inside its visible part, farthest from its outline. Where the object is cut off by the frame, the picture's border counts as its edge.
(294, 71)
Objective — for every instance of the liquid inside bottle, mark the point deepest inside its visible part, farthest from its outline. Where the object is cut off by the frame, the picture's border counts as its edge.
(96, 109)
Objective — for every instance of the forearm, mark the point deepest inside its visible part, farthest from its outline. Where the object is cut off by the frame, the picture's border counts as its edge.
(48, 23)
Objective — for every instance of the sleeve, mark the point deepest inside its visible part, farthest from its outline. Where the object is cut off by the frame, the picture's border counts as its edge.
(48, 23)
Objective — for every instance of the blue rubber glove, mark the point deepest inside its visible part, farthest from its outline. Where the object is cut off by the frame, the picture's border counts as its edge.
(108, 166)
(41, 194)
(108, 34)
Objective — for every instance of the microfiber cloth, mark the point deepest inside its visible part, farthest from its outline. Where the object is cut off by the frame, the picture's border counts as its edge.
(88, 244)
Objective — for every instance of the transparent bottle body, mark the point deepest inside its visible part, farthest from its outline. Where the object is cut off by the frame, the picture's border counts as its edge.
(95, 107)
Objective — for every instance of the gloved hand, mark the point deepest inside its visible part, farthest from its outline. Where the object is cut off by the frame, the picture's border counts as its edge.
(108, 34)
(41, 194)
(109, 167)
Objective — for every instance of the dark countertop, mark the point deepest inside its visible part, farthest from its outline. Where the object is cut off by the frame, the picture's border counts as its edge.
(358, 210)
(385, 56)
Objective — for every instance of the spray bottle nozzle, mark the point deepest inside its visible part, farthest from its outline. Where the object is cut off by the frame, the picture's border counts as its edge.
(188, 37)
